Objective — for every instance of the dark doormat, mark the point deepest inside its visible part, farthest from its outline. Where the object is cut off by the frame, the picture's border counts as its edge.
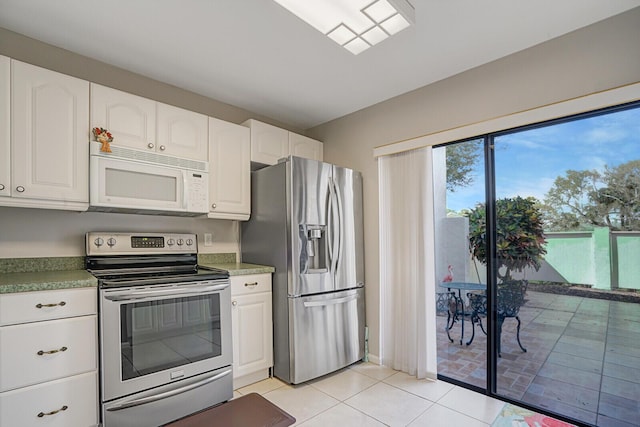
(251, 410)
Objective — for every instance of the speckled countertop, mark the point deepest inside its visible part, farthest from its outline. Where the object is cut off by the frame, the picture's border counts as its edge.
(241, 269)
(45, 280)
(40, 274)
(228, 262)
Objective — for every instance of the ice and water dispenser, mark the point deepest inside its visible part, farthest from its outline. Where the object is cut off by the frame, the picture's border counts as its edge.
(313, 251)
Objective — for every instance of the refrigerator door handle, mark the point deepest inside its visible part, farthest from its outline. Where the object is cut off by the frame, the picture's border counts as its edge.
(329, 227)
(333, 219)
(330, 301)
(340, 224)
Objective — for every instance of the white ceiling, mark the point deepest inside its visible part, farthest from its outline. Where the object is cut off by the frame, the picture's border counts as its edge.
(255, 55)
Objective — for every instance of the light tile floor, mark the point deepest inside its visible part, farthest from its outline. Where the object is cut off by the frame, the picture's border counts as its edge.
(366, 394)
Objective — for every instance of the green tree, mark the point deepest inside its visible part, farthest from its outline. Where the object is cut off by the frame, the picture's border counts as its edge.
(584, 199)
(461, 162)
(619, 201)
(520, 240)
(569, 202)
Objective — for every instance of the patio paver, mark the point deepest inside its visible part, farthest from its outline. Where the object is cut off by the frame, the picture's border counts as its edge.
(582, 359)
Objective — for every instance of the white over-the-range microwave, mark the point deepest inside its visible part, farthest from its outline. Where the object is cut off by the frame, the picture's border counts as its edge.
(135, 181)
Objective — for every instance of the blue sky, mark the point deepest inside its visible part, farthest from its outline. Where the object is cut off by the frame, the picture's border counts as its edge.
(528, 162)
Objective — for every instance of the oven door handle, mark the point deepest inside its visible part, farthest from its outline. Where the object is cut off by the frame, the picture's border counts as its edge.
(166, 394)
(165, 292)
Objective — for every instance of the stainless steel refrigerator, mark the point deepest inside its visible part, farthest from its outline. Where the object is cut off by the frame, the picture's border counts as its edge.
(306, 221)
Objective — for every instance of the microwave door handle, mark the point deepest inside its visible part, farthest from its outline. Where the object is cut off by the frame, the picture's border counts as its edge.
(184, 191)
(166, 394)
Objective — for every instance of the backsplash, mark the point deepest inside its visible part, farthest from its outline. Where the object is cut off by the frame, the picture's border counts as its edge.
(31, 233)
(21, 265)
(229, 258)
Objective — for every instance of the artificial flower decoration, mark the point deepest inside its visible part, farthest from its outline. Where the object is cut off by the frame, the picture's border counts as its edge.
(104, 137)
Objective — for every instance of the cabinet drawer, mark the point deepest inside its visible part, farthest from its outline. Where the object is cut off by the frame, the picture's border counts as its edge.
(37, 352)
(251, 283)
(79, 394)
(46, 305)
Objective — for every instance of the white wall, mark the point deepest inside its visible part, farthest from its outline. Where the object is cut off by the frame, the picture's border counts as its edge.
(26, 233)
(596, 58)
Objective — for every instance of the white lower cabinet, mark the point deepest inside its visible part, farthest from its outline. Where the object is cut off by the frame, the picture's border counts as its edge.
(26, 307)
(252, 328)
(44, 351)
(48, 358)
(68, 402)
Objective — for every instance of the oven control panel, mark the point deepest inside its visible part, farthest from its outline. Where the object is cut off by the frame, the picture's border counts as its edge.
(102, 243)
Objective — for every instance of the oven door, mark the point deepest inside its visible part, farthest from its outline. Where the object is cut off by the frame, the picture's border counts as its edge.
(155, 335)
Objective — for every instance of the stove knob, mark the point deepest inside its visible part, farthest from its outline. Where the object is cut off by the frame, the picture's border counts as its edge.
(180, 242)
(171, 242)
(99, 241)
(189, 242)
(111, 242)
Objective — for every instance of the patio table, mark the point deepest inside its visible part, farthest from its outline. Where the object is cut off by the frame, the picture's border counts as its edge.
(460, 286)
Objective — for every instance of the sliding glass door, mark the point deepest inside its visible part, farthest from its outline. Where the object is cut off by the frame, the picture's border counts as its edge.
(459, 186)
(554, 232)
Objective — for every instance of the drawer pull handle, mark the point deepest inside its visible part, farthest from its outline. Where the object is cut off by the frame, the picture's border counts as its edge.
(42, 352)
(42, 414)
(252, 284)
(61, 303)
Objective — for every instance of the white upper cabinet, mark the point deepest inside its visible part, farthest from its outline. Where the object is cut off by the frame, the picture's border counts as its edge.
(270, 143)
(181, 133)
(131, 119)
(49, 131)
(229, 170)
(303, 146)
(144, 124)
(5, 128)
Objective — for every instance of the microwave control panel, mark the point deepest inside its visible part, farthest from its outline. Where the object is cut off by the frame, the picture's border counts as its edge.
(198, 194)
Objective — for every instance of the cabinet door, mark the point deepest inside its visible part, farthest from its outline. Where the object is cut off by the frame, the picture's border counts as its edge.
(268, 143)
(252, 333)
(302, 146)
(229, 170)
(181, 133)
(50, 150)
(131, 119)
(5, 130)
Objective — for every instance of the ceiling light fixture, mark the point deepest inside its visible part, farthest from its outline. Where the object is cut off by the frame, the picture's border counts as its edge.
(355, 25)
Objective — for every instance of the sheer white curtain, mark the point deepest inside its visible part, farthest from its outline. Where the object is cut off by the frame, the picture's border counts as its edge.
(407, 278)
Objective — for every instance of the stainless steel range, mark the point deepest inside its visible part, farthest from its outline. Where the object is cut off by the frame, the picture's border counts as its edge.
(165, 328)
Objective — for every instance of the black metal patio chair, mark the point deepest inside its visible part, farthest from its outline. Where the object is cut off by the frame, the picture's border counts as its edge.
(510, 298)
